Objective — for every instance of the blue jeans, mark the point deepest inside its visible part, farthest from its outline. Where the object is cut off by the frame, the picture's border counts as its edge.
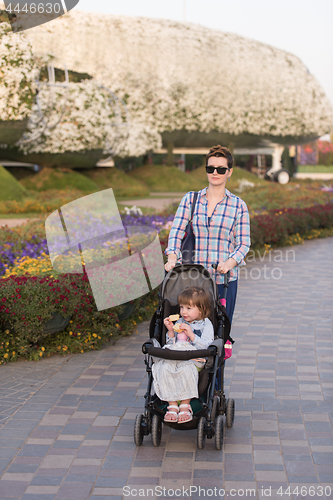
(231, 297)
(230, 307)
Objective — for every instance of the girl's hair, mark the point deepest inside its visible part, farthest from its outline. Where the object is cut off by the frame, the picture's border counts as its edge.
(195, 296)
(220, 151)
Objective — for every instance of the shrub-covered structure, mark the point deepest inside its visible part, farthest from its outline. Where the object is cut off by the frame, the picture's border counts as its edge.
(186, 81)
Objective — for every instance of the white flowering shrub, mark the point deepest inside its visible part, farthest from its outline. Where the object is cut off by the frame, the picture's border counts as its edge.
(17, 75)
(75, 118)
(181, 76)
(134, 140)
(79, 118)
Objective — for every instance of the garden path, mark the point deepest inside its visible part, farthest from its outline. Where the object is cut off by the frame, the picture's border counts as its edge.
(14, 222)
(73, 437)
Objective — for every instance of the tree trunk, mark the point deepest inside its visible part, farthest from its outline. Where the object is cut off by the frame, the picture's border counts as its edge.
(170, 158)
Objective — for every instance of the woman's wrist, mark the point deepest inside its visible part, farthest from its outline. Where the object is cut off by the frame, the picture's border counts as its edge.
(231, 262)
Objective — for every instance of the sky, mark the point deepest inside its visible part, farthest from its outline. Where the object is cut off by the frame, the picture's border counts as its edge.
(302, 27)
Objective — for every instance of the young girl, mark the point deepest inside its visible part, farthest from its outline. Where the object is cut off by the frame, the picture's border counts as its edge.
(178, 380)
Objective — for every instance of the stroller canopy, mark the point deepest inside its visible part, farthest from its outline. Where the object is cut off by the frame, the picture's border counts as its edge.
(183, 276)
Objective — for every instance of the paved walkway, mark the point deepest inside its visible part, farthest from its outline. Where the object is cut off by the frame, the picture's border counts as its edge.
(14, 222)
(319, 176)
(67, 428)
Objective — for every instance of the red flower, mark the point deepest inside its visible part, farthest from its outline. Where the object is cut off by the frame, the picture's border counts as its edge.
(4, 299)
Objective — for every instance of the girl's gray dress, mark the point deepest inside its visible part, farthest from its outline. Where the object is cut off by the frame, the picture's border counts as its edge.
(178, 380)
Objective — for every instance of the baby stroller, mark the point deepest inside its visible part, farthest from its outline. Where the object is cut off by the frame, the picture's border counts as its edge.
(209, 408)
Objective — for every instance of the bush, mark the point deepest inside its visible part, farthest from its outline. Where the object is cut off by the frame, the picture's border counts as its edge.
(276, 226)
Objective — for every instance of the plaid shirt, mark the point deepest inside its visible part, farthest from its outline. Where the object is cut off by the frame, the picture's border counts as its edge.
(226, 235)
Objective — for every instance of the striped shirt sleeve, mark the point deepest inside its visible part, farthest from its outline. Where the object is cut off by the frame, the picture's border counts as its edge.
(241, 234)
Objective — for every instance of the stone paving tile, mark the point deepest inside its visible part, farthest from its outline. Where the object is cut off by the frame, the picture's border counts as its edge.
(67, 423)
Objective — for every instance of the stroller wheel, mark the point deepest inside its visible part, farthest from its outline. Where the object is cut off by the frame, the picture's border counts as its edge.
(215, 407)
(201, 436)
(230, 412)
(156, 430)
(219, 432)
(138, 430)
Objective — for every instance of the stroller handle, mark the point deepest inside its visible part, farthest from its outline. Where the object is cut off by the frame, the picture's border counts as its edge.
(226, 275)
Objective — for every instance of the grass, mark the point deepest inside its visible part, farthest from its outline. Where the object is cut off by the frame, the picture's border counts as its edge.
(159, 178)
(318, 169)
(123, 185)
(59, 178)
(10, 188)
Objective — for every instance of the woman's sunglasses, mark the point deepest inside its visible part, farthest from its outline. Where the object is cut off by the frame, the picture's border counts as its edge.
(220, 170)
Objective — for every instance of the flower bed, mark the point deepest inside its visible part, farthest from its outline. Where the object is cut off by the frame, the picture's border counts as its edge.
(276, 226)
(24, 249)
(28, 302)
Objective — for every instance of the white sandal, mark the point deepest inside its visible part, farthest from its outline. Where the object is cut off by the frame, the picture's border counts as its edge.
(170, 412)
(188, 412)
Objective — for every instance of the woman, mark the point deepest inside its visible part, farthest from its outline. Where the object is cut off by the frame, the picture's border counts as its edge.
(221, 226)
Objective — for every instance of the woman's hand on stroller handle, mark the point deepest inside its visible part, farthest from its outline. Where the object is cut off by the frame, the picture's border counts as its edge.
(169, 265)
(172, 259)
(224, 267)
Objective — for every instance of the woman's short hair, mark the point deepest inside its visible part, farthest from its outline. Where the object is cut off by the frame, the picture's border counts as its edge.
(195, 296)
(220, 151)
